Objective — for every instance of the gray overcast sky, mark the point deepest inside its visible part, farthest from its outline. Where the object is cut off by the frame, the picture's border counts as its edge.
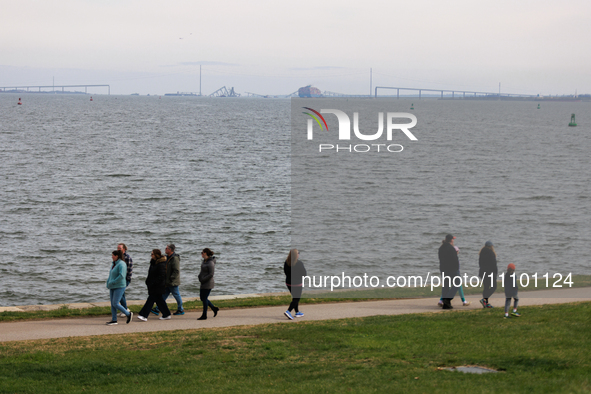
(274, 47)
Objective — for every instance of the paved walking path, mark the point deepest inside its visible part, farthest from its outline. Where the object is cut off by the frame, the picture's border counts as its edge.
(59, 328)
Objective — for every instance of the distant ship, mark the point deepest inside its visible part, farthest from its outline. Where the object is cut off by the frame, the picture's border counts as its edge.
(309, 91)
(558, 98)
(183, 94)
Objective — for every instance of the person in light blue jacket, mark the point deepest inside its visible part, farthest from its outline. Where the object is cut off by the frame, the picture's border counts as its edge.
(116, 284)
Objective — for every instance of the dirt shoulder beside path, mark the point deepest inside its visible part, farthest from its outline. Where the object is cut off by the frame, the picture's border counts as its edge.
(60, 328)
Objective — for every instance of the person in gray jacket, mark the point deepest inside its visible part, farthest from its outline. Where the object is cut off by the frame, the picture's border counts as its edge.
(207, 282)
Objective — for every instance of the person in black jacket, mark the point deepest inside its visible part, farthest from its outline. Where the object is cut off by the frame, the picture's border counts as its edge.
(487, 261)
(206, 279)
(294, 272)
(156, 282)
(129, 262)
(449, 265)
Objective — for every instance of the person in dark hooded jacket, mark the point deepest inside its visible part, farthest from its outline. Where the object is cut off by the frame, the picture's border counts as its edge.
(156, 282)
(207, 283)
(487, 262)
(449, 265)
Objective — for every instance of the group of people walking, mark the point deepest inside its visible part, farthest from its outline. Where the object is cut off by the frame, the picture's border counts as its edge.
(164, 279)
(449, 266)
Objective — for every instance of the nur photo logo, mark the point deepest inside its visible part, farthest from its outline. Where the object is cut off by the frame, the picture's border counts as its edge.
(344, 130)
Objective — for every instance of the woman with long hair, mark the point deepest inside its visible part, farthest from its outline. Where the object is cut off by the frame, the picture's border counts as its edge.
(116, 285)
(207, 282)
(487, 261)
(294, 272)
(156, 282)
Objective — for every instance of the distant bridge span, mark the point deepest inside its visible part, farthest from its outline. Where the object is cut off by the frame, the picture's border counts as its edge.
(4, 88)
(453, 92)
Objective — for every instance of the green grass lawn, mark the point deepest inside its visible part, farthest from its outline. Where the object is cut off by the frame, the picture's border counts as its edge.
(545, 350)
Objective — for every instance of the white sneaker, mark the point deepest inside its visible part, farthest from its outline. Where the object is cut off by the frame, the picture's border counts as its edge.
(165, 318)
(466, 303)
(140, 317)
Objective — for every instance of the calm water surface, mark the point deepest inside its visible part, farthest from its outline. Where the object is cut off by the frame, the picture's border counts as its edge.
(77, 177)
(481, 170)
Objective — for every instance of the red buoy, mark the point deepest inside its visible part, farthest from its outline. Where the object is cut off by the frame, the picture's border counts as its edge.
(19, 101)
(90, 98)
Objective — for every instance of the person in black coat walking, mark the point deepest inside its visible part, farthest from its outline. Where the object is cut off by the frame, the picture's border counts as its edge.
(449, 265)
(207, 283)
(487, 261)
(294, 272)
(156, 282)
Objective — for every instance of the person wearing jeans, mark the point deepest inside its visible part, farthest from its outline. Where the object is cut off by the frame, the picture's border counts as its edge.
(173, 279)
(155, 283)
(174, 290)
(116, 286)
(129, 262)
(116, 295)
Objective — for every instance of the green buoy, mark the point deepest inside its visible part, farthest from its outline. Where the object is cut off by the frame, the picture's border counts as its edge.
(538, 106)
(412, 106)
(572, 121)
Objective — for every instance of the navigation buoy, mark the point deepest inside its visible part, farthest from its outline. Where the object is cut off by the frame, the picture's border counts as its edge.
(90, 98)
(538, 106)
(412, 106)
(572, 121)
(19, 101)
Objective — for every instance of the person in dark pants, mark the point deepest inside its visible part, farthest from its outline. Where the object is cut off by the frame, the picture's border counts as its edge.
(487, 261)
(294, 272)
(156, 282)
(449, 265)
(511, 291)
(207, 283)
(173, 279)
(464, 302)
